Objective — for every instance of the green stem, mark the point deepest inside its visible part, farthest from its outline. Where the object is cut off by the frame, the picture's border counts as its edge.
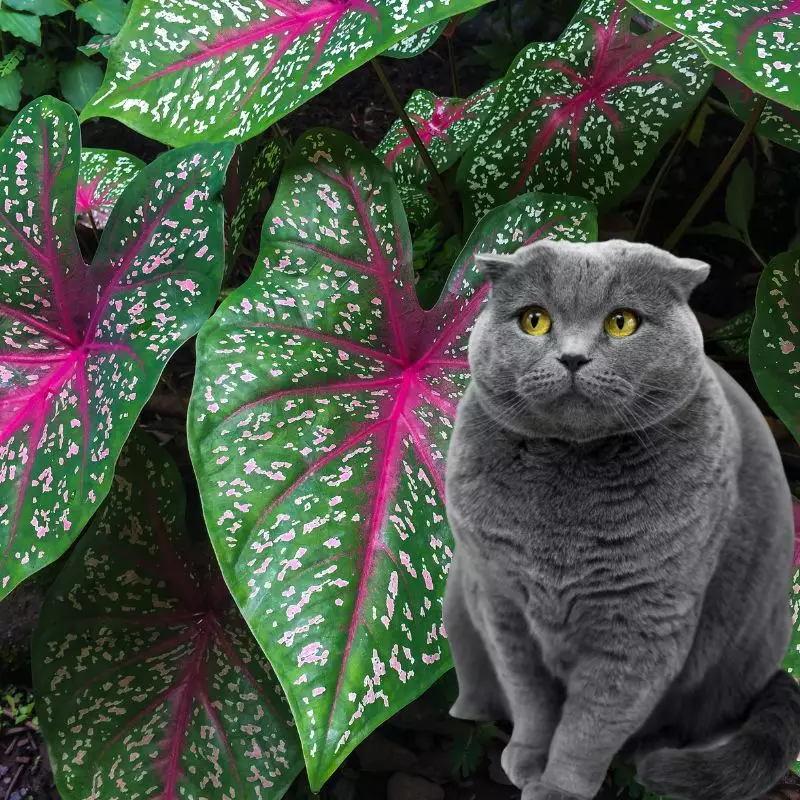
(94, 226)
(451, 57)
(716, 179)
(447, 206)
(644, 217)
(749, 244)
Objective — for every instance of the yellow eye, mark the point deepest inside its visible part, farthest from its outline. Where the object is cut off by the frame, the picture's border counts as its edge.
(620, 323)
(535, 321)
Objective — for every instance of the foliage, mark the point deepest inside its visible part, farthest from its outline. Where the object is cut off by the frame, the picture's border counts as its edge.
(145, 673)
(418, 42)
(775, 338)
(469, 748)
(318, 426)
(586, 114)
(83, 345)
(102, 178)
(246, 64)
(17, 708)
(757, 42)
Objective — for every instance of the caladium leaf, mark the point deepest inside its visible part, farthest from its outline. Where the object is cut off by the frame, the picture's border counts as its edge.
(185, 71)
(775, 338)
(758, 41)
(321, 410)
(82, 346)
(418, 42)
(586, 114)
(98, 45)
(777, 122)
(258, 175)
(447, 127)
(102, 177)
(148, 682)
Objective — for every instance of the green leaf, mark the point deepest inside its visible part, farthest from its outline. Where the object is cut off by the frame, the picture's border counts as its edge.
(11, 91)
(105, 16)
(148, 682)
(734, 335)
(775, 338)
(38, 75)
(469, 748)
(740, 195)
(259, 173)
(319, 420)
(79, 80)
(23, 26)
(42, 8)
(98, 45)
(586, 114)
(418, 42)
(718, 229)
(777, 122)
(217, 70)
(447, 126)
(758, 42)
(102, 178)
(82, 346)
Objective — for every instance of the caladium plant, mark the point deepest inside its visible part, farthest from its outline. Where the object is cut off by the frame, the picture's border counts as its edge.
(757, 41)
(83, 345)
(775, 338)
(318, 425)
(418, 42)
(447, 127)
(102, 177)
(148, 682)
(777, 122)
(187, 71)
(586, 114)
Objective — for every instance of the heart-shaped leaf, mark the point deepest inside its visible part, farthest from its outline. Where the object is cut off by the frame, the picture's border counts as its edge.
(148, 682)
(777, 122)
(98, 45)
(102, 178)
(322, 406)
(79, 80)
(757, 41)
(418, 42)
(775, 338)
(82, 346)
(586, 114)
(447, 127)
(185, 71)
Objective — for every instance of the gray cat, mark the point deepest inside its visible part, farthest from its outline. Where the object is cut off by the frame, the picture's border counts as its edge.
(623, 532)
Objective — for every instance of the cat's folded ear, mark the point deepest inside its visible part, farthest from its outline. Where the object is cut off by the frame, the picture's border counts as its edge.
(686, 273)
(494, 265)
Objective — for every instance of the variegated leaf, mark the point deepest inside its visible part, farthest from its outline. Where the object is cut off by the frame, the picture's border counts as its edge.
(757, 41)
(102, 177)
(319, 421)
(82, 346)
(185, 71)
(148, 682)
(447, 127)
(775, 338)
(418, 42)
(586, 114)
(98, 45)
(777, 122)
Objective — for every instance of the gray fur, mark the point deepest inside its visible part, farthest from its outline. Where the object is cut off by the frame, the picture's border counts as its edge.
(623, 543)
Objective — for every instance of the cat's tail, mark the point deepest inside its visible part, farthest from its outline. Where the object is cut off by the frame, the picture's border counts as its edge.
(745, 766)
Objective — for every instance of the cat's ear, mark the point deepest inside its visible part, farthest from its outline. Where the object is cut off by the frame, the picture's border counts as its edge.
(494, 265)
(688, 273)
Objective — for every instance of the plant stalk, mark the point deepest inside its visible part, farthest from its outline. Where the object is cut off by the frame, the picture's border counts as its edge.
(716, 179)
(451, 57)
(448, 208)
(94, 226)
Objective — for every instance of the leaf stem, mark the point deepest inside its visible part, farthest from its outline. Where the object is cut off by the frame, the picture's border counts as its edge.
(94, 226)
(451, 57)
(447, 206)
(716, 179)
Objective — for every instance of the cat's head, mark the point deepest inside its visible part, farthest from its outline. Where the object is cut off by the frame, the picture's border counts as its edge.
(584, 341)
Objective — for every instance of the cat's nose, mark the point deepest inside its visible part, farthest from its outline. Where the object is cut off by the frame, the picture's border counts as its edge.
(573, 361)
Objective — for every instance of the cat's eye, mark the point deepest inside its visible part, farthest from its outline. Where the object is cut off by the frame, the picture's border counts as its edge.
(535, 321)
(620, 323)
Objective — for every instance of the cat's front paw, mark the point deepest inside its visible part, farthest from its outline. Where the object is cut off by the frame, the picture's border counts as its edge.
(541, 791)
(523, 765)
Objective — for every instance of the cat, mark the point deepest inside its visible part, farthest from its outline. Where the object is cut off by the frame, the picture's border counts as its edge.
(623, 535)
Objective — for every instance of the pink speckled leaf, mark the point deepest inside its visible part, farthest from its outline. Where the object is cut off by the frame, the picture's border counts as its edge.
(586, 114)
(446, 126)
(187, 71)
(322, 407)
(758, 41)
(148, 682)
(775, 338)
(82, 346)
(418, 42)
(102, 177)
